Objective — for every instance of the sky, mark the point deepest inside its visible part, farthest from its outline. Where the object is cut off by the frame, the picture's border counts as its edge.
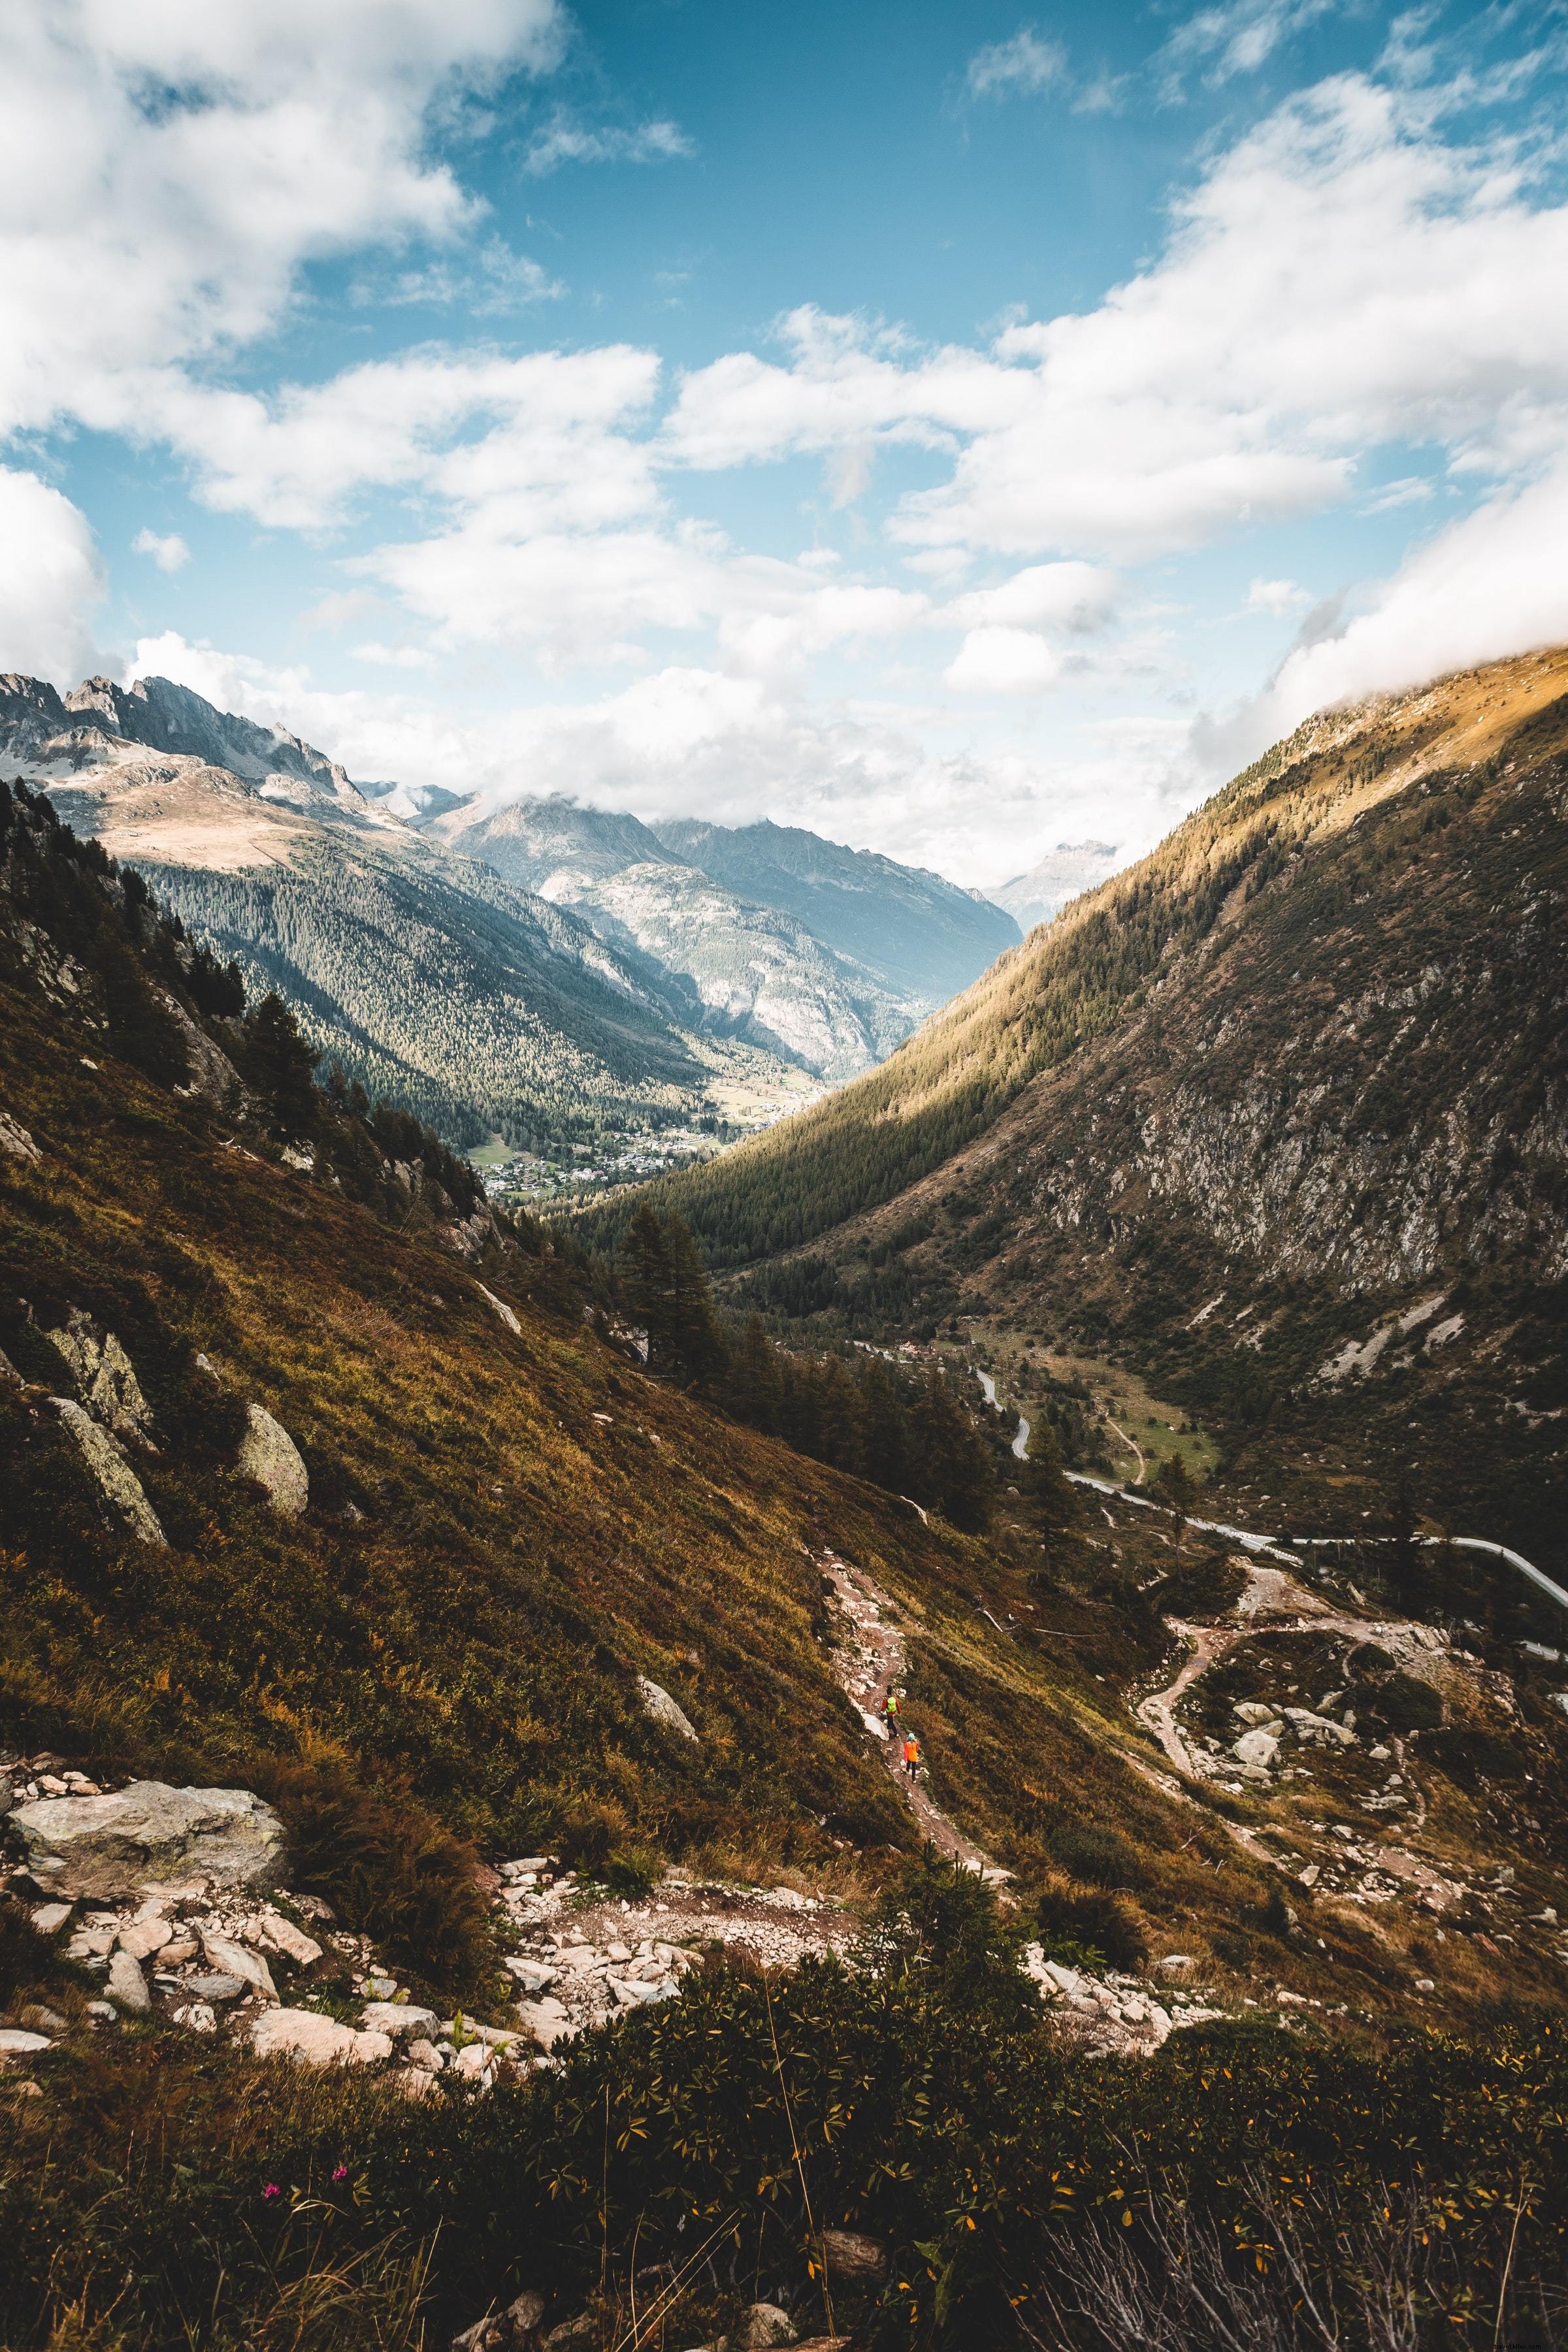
(957, 430)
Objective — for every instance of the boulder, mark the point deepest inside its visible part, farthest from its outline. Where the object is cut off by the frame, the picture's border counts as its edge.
(518, 2328)
(151, 1832)
(546, 2020)
(143, 1938)
(269, 1456)
(1318, 1731)
(399, 2019)
(1252, 1711)
(16, 1139)
(763, 2326)
(280, 1934)
(117, 1481)
(49, 1917)
(533, 1976)
(105, 1377)
(238, 1960)
(16, 2042)
(197, 2017)
(1258, 1747)
(126, 1984)
(663, 1709)
(219, 1987)
(315, 2041)
(854, 2260)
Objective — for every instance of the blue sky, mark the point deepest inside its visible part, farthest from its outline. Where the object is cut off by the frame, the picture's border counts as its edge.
(958, 429)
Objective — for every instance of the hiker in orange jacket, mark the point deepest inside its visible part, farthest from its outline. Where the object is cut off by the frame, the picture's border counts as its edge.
(912, 1756)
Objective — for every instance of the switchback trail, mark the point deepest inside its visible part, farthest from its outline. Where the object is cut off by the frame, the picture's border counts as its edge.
(869, 1660)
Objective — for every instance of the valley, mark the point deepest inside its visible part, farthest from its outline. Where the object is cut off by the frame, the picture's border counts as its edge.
(544, 1599)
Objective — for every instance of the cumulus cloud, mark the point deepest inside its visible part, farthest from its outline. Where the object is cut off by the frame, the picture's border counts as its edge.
(168, 550)
(50, 582)
(1027, 63)
(165, 170)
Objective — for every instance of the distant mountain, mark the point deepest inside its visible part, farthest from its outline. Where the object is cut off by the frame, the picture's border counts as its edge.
(920, 937)
(829, 956)
(432, 980)
(1066, 872)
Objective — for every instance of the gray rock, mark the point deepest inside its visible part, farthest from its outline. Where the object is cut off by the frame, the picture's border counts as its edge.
(515, 2329)
(105, 1378)
(1258, 1747)
(663, 1709)
(1318, 1730)
(217, 1986)
(127, 1985)
(269, 1456)
(311, 2040)
(397, 2019)
(118, 1482)
(16, 1139)
(234, 1959)
(150, 1832)
(763, 2326)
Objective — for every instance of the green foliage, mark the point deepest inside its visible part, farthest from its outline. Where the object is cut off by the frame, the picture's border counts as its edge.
(1087, 1930)
(1098, 1855)
(1403, 1703)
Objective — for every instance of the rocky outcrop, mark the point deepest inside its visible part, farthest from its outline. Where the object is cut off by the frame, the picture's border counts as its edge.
(105, 1377)
(269, 1456)
(663, 1709)
(15, 1141)
(148, 1834)
(105, 1457)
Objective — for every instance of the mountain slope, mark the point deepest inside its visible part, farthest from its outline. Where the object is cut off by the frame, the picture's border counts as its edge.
(1311, 1057)
(1064, 873)
(432, 980)
(743, 969)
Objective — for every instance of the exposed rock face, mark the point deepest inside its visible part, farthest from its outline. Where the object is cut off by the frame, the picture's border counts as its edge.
(853, 2259)
(104, 1375)
(663, 1709)
(106, 1460)
(269, 1456)
(150, 1833)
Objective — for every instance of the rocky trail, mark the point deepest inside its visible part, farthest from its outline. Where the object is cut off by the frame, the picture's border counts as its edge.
(870, 1659)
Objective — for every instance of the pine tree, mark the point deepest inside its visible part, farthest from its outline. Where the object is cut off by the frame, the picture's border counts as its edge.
(1177, 1489)
(693, 1343)
(645, 1281)
(278, 1066)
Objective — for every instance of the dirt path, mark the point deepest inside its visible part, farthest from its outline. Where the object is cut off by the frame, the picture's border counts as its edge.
(870, 1660)
(1130, 1441)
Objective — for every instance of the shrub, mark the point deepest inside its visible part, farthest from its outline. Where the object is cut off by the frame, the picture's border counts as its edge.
(388, 1870)
(1092, 1931)
(1404, 1704)
(1100, 1857)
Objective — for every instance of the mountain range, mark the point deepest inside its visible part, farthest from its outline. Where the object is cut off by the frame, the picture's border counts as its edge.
(539, 970)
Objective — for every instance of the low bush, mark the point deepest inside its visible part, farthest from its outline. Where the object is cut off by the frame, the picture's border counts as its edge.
(1084, 1930)
(1099, 1856)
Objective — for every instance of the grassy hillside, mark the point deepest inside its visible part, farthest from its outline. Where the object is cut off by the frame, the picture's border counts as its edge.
(435, 1666)
(1302, 852)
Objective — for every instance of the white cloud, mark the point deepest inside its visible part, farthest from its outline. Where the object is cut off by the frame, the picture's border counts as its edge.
(566, 139)
(1077, 596)
(550, 441)
(166, 168)
(1237, 38)
(50, 580)
(492, 282)
(1277, 597)
(1492, 584)
(1026, 63)
(1005, 661)
(167, 550)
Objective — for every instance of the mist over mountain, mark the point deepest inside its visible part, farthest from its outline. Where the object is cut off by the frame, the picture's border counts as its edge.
(1064, 873)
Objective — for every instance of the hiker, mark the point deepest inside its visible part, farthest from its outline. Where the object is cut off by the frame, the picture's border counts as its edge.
(912, 1756)
(893, 1706)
